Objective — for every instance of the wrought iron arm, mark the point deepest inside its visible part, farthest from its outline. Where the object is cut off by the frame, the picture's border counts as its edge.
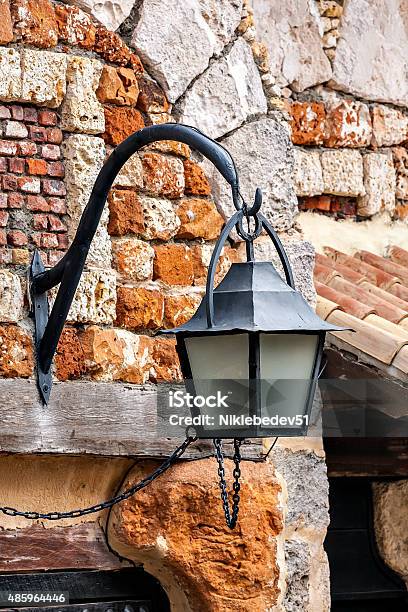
(68, 270)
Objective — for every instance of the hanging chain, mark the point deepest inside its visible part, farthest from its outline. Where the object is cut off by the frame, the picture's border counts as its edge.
(55, 516)
(231, 518)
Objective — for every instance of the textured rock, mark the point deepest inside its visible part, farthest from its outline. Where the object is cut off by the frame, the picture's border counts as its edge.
(391, 524)
(151, 98)
(75, 27)
(379, 183)
(35, 22)
(264, 156)
(179, 308)
(163, 176)
(195, 181)
(49, 89)
(133, 259)
(84, 157)
(16, 352)
(11, 78)
(348, 124)
(139, 308)
(131, 174)
(291, 32)
(400, 156)
(6, 26)
(308, 177)
(81, 111)
(343, 172)
(118, 86)
(175, 55)
(110, 14)
(308, 122)
(121, 123)
(112, 48)
(298, 561)
(226, 94)
(170, 537)
(126, 215)
(69, 358)
(390, 126)
(166, 366)
(11, 297)
(173, 264)
(371, 53)
(199, 219)
(160, 219)
(95, 298)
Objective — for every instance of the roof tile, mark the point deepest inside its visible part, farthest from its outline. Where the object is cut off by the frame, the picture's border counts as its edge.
(384, 264)
(347, 303)
(398, 255)
(372, 273)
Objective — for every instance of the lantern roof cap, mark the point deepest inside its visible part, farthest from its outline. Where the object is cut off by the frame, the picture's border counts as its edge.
(253, 297)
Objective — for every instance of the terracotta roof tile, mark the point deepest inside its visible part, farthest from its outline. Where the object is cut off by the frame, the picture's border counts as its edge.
(372, 273)
(387, 326)
(400, 291)
(324, 274)
(384, 264)
(348, 304)
(346, 272)
(385, 295)
(398, 255)
(401, 360)
(325, 307)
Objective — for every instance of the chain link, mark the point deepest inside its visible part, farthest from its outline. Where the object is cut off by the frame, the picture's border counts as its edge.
(55, 516)
(231, 518)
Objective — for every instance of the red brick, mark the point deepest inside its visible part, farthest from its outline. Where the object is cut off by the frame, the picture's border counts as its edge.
(10, 183)
(30, 114)
(121, 122)
(17, 112)
(173, 264)
(3, 254)
(35, 22)
(8, 148)
(37, 203)
(15, 200)
(57, 205)
(308, 122)
(3, 200)
(55, 224)
(49, 241)
(47, 117)
(27, 148)
(3, 164)
(40, 222)
(4, 112)
(69, 358)
(3, 218)
(17, 238)
(54, 257)
(50, 151)
(54, 135)
(38, 134)
(16, 352)
(62, 241)
(36, 240)
(56, 169)
(54, 187)
(37, 166)
(322, 202)
(16, 165)
(29, 184)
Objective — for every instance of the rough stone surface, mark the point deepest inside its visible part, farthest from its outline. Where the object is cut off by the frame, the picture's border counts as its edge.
(160, 218)
(348, 124)
(179, 308)
(16, 352)
(69, 358)
(291, 32)
(11, 297)
(195, 181)
(125, 213)
(75, 27)
(95, 298)
(343, 172)
(139, 308)
(163, 176)
(379, 183)
(43, 77)
(10, 66)
(264, 157)
(166, 366)
(163, 528)
(118, 86)
(81, 111)
(84, 157)
(173, 264)
(308, 122)
(35, 22)
(121, 122)
(390, 126)
(391, 524)
(110, 13)
(298, 559)
(372, 50)
(226, 94)
(199, 219)
(133, 259)
(6, 25)
(400, 156)
(131, 174)
(175, 55)
(308, 177)
(151, 97)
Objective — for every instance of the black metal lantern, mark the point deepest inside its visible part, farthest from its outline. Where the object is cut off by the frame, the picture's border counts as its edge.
(254, 345)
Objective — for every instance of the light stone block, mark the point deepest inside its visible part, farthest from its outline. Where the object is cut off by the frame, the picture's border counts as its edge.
(44, 77)
(10, 81)
(379, 183)
(308, 176)
(159, 215)
(131, 174)
(343, 172)
(226, 94)
(390, 126)
(110, 13)
(95, 298)
(82, 111)
(11, 297)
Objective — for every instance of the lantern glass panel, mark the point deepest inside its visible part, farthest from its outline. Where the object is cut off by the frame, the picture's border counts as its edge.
(286, 370)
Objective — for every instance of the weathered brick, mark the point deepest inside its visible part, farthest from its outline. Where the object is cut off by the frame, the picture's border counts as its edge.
(62, 241)
(179, 308)
(126, 215)
(348, 124)
(55, 224)
(37, 203)
(17, 112)
(57, 205)
(199, 219)
(163, 175)
(16, 165)
(56, 169)
(37, 166)
(196, 183)
(139, 308)
(16, 352)
(38, 134)
(390, 126)
(53, 135)
(3, 164)
(4, 111)
(49, 241)
(29, 184)
(4, 253)
(30, 114)
(15, 200)
(51, 152)
(47, 117)
(16, 238)
(321, 202)
(308, 122)
(121, 122)
(118, 86)
(6, 26)
(10, 183)
(27, 148)
(133, 258)
(20, 257)
(3, 200)
(152, 98)
(8, 148)
(54, 187)
(111, 47)
(173, 264)
(3, 218)
(40, 222)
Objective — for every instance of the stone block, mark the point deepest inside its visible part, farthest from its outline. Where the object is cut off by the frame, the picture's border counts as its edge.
(139, 308)
(180, 307)
(226, 94)
(379, 184)
(291, 33)
(35, 22)
(264, 155)
(49, 90)
(175, 55)
(160, 218)
(118, 86)
(163, 176)
(348, 124)
(121, 122)
(11, 78)
(308, 122)
(308, 177)
(343, 172)
(126, 215)
(390, 126)
(82, 111)
(199, 218)
(131, 174)
(95, 298)
(6, 25)
(84, 157)
(69, 358)
(111, 14)
(152, 98)
(166, 366)
(370, 60)
(75, 27)
(133, 259)
(173, 264)
(16, 352)
(11, 297)
(400, 156)
(195, 181)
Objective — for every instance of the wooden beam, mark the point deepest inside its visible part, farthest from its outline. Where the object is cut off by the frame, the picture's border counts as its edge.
(85, 417)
